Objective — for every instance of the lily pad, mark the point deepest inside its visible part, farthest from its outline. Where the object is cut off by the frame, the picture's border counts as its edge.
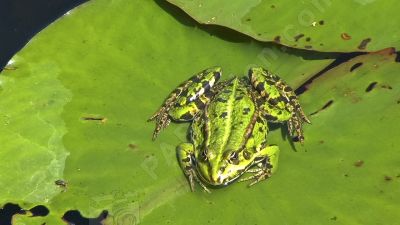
(347, 172)
(75, 100)
(329, 26)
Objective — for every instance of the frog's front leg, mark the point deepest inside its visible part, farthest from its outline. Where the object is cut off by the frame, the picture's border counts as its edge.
(185, 153)
(277, 101)
(266, 164)
(187, 99)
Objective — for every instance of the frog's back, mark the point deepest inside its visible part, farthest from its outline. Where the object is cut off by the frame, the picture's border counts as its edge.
(230, 116)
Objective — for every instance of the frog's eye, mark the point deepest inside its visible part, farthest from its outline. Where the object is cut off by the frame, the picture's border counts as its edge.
(246, 155)
(234, 158)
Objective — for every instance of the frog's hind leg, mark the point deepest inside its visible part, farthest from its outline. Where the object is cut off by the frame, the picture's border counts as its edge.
(185, 153)
(266, 164)
(279, 113)
(187, 99)
(275, 90)
(278, 102)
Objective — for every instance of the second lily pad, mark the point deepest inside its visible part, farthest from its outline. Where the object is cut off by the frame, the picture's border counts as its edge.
(328, 26)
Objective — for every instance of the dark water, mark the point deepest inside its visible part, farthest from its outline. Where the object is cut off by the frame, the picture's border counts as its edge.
(20, 20)
(71, 217)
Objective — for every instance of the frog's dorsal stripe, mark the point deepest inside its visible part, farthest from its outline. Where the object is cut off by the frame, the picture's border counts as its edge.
(243, 123)
(233, 111)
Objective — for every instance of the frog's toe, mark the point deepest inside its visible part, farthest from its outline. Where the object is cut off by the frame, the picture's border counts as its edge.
(259, 177)
(261, 174)
(192, 177)
(305, 119)
(161, 123)
(206, 189)
(295, 128)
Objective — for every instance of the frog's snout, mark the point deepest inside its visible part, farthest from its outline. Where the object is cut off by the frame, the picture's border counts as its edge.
(217, 175)
(215, 179)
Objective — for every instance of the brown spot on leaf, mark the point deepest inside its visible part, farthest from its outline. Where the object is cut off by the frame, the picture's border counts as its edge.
(384, 52)
(248, 19)
(354, 98)
(308, 39)
(364, 43)
(277, 39)
(297, 37)
(308, 47)
(388, 178)
(359, 163)
(132, 146)
(94, 118)
(321, 22)
(345, 36)
(272, 6)
(355, 66)
(386, 86)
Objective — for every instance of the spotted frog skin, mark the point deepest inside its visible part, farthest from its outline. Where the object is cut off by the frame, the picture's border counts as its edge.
(228, 133)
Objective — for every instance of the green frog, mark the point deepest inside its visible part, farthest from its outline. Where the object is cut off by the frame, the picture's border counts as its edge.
(228, 133)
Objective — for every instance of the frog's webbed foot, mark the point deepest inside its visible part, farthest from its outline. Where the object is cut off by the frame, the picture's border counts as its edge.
(187, 99)
(277, 101)
(295, 123)
(295, 126)
(162, 121)
(264, 167)
(261, 173)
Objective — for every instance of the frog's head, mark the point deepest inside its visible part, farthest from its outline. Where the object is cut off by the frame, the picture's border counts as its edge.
(225, 168)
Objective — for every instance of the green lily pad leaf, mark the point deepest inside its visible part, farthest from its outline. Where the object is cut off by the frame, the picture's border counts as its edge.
(329, 26)
(74, 104)
(347, 172)
(32, 149)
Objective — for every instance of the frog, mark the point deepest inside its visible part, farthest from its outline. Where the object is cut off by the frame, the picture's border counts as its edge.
(229, 125)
